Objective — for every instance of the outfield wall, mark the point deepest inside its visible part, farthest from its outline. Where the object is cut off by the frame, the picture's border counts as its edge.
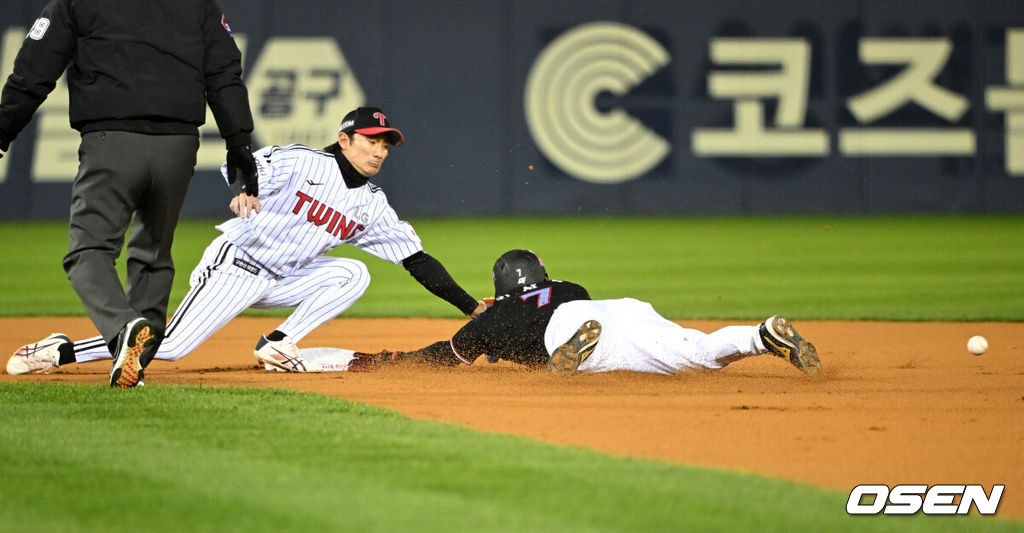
(619, 107)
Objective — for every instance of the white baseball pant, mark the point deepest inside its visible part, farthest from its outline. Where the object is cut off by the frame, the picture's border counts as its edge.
(223, 285)
(635, 337)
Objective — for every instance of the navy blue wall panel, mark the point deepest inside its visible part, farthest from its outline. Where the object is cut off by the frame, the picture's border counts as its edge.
(630, 100)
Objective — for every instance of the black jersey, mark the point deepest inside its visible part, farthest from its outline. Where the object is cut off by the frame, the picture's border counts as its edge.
(146, 67)
(513, 328)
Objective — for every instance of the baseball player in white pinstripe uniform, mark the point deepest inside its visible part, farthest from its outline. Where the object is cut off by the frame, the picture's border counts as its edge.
(271, 254)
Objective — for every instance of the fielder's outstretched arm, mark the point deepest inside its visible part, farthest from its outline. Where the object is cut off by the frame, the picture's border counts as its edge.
(430, 273)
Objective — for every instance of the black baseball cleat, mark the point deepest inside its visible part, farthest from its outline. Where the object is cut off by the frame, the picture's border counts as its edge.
(136, 346)
(781, 339)
(567, 357)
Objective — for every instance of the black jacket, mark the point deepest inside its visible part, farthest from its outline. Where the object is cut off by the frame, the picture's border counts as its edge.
(142, 66)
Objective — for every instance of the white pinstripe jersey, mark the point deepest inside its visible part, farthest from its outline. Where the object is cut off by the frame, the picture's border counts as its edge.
(307, 210)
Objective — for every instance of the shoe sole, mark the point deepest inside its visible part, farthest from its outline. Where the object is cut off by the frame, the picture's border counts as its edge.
(568, 357)
(789, 345)
(128, 368)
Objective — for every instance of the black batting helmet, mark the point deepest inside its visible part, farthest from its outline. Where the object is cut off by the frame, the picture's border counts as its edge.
(517, 268)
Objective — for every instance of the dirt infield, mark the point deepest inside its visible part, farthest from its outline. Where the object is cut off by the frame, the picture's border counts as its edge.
(894, 403)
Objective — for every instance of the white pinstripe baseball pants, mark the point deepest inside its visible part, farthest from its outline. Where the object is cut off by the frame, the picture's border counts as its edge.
(222, 286)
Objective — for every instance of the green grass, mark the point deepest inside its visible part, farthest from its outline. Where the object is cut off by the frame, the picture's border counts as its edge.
(175, 458)
(826, 267)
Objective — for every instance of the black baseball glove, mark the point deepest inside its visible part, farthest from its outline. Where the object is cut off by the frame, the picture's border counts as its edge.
(4, 145)
(241, 163)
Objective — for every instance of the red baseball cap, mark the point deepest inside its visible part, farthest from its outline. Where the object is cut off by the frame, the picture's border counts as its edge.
(370, 121)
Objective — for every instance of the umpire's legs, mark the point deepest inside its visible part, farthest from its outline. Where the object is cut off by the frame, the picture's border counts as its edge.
(150, 268)
(114, 178)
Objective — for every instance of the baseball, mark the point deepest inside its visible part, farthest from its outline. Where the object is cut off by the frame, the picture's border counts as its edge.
(977, 345)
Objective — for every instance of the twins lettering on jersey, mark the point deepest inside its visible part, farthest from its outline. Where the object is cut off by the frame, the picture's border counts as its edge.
(319, 214)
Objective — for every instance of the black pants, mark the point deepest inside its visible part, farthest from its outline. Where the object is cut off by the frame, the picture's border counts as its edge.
(126, 178)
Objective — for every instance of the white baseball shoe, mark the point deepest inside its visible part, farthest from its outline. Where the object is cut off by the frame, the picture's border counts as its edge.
(284, 355)
(39, 357)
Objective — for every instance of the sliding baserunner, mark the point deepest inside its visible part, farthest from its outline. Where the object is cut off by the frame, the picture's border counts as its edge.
(537, 321)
